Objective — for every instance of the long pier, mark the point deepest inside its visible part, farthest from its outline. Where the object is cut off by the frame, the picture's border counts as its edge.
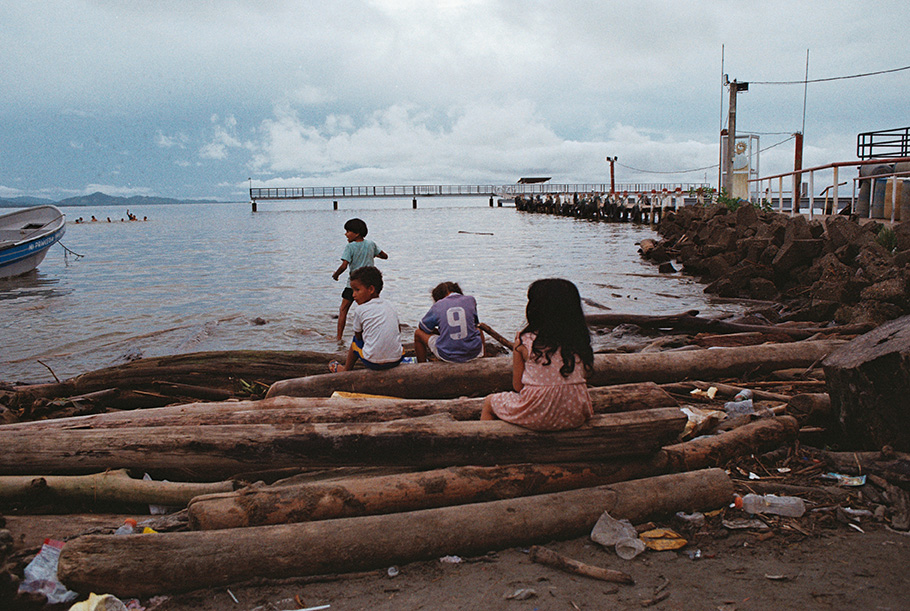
(510, 190)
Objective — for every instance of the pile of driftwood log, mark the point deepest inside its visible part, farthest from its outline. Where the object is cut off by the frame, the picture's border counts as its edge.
(307, 482)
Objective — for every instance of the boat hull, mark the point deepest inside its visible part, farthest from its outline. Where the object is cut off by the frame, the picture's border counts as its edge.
(20, 256)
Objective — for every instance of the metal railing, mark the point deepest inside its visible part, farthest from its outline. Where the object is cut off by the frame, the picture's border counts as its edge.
(766, 186)
(886, 143)
(276, 193)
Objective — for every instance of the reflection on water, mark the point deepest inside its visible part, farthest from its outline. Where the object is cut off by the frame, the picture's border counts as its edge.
(206, 277)
(35, 283)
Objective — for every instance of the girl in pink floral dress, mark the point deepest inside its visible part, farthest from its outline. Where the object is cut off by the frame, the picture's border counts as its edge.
(551, 357)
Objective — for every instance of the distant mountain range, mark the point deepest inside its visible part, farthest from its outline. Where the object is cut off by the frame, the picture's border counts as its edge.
(100, 199)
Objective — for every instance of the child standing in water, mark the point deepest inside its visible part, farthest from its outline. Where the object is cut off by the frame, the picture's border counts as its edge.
(359, 252)
(551, 357)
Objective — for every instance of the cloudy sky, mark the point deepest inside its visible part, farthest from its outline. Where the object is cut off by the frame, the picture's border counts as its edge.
(189, 99)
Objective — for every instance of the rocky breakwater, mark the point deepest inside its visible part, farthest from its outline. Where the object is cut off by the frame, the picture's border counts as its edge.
(820, 270)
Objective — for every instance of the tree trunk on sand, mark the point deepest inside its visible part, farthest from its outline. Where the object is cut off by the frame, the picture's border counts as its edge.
(869, 383)
(299, 410)
(691, 323)
(350, 496)
(108, 487)
(203, 370)
(358, 496)
(811, 407)
(142, 565)
(215, 452)
(753, 438)
(484, 376)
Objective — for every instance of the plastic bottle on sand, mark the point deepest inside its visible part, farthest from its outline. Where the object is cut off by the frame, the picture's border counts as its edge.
(128, 527)
(789, 506)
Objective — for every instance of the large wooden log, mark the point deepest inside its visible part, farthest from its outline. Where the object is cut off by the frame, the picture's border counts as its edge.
(299, 410)
(484, 376)
(868, 381)
(357, 496)
(203, 370)
(108, 487)
(142, 565)
(753, 438)
(218, 451)
(410, 491)
(690, 322)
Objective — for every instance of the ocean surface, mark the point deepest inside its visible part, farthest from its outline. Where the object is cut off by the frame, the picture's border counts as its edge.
(198, 277)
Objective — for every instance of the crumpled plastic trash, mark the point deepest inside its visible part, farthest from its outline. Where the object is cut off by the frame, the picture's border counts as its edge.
(663, 539)
(619, 534)
(699, 420)
(739, 408)
(102, 602)
(522, 594)
(845, 480)
(41, 575)
(696, 519)
(705, 394)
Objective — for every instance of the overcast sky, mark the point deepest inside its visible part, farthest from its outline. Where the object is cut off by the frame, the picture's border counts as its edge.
(189, 99)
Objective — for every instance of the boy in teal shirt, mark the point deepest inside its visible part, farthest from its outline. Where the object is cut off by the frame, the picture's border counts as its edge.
(359, 252)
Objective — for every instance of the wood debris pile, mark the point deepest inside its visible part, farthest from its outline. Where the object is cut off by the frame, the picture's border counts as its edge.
(304, 483)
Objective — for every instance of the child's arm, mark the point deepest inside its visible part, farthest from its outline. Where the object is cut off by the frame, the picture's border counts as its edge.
(519, 356)
(340, 270)
(382, 255)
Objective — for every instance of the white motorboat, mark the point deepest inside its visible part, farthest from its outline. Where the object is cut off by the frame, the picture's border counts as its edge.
(25, 237)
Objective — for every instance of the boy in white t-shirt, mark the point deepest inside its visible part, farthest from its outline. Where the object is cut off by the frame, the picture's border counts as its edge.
(377, 337)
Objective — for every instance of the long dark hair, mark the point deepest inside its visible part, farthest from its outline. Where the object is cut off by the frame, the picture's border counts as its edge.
(554, 313)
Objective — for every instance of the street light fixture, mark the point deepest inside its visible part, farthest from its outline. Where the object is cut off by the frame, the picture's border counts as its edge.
(612, 160)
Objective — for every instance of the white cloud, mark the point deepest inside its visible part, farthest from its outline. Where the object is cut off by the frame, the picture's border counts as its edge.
(10, 191)
(179, 140)
(482, 143)
(452, 91)
(223, 139)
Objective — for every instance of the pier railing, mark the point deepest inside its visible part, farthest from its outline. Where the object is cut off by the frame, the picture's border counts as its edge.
(831, 174)
(278, 193)
(883, 143)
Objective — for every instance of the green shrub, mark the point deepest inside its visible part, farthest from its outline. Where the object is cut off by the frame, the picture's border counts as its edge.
(887, 238)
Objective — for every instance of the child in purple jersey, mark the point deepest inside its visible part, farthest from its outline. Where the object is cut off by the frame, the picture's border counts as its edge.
(449, 330)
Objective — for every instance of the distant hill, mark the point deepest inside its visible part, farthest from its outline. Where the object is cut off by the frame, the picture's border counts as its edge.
(21, 202)
(101, 199)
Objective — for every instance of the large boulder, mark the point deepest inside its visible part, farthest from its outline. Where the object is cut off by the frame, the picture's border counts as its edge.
(842, 230)
(902, 231)
(876, 262)
(796, 252)
(868, 381)
(835, 281)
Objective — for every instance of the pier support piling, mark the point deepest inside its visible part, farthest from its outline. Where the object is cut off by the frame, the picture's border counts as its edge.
(414, 204)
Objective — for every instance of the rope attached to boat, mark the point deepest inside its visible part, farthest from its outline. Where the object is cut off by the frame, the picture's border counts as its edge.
(67, 251)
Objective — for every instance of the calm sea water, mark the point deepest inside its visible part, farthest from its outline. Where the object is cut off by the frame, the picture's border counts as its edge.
(196, 277)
